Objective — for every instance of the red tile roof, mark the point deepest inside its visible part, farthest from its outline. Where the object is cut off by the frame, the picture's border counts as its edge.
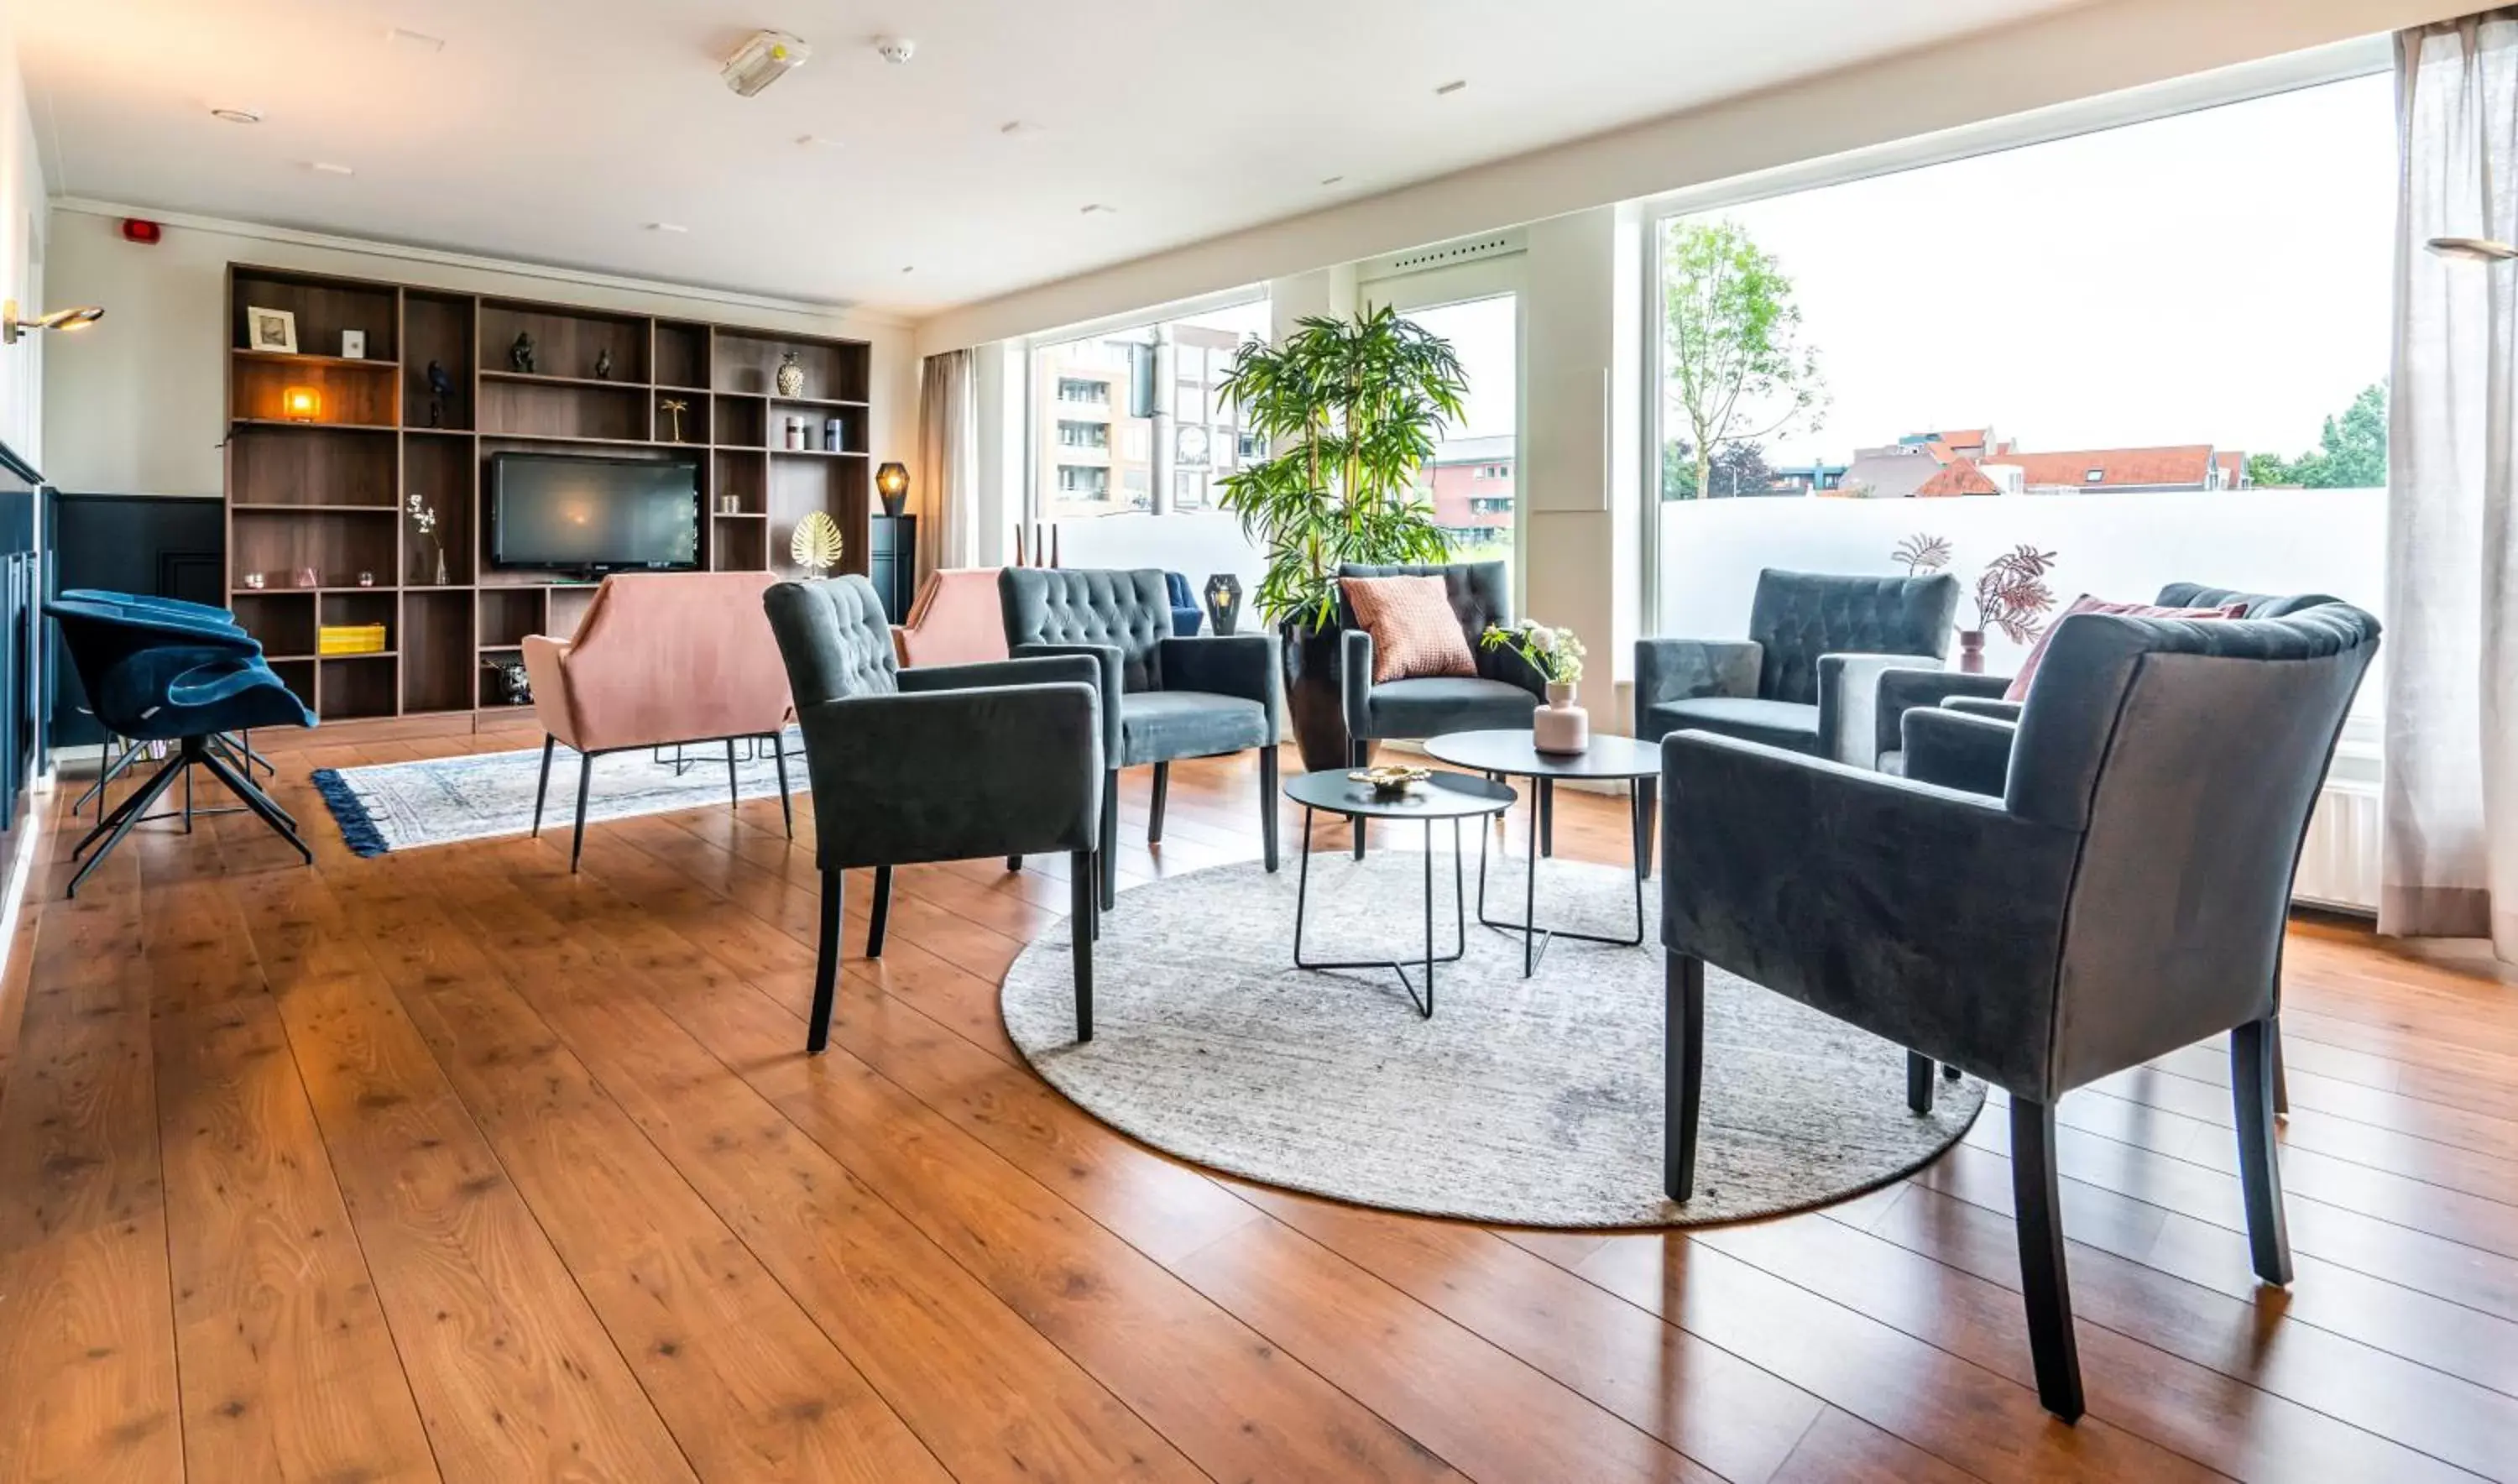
(2234, 470)
(2118, 468)
(1961, 477)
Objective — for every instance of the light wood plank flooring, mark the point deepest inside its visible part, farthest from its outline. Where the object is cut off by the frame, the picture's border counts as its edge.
(449, 1165)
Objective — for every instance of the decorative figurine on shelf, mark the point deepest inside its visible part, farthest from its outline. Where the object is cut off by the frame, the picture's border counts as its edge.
(306, 577)
(367, 579)
(791, 376)
(520, 355)
(255, 580)
(515, 683)
(603, 364)
(1560, 726)
(424, 518)
(441, 387)
(1222, 604)
(816, 544)
(673, 407)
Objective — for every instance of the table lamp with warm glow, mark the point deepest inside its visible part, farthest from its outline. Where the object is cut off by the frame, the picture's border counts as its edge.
(891, 482)
(301, 404)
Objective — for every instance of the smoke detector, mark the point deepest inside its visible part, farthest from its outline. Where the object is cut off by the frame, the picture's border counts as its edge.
(763, 59)
(895, 49)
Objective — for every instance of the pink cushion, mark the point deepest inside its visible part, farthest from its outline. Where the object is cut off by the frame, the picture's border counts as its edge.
(2085, 603)
(1415, 631)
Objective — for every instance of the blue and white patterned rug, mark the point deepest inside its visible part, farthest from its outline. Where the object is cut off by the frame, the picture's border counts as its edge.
(396, 805)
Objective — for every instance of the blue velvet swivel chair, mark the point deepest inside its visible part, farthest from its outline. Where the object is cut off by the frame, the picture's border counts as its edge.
(111, 765)
(154, 674)
(1186, 614)
(937, 762)
(1163, 695)
(2123, 897)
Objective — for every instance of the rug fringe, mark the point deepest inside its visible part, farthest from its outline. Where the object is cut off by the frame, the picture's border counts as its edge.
(358, 831)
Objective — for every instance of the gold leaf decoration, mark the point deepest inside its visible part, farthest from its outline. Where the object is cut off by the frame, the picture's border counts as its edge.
(816, 544)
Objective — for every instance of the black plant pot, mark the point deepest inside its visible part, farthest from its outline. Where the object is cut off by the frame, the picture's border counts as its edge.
(1314, 695)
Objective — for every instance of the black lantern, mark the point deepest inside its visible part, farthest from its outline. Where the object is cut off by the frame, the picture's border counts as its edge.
(891, 482)
(1223, 602)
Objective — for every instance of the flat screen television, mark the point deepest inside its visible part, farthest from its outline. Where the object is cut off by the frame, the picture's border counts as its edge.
(559, 513)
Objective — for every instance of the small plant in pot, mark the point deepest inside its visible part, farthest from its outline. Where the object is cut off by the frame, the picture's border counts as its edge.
(1560, 726)
(1352, 408)
(2011, 597)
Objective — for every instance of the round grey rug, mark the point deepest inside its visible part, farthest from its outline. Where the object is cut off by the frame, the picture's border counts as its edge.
(1525, 1103)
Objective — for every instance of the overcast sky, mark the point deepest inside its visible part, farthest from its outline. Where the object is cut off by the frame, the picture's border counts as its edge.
(2219, 278)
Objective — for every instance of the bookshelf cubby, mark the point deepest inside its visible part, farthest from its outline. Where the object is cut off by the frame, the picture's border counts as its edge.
(327, 494)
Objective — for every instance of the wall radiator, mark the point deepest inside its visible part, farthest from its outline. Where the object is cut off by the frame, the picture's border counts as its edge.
(2338, 861)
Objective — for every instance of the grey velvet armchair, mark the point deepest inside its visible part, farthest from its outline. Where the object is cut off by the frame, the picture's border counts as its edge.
(1804, 678)
(2125, 897)
(1163, 696)
(1499, 697)
(1966, 726)
(940, 763)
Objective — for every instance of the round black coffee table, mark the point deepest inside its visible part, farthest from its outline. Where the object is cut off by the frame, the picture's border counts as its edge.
(1608, 760)
(1443, 796)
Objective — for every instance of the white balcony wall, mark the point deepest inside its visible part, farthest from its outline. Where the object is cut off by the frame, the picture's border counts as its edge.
(2119, 547)
(1194, 543)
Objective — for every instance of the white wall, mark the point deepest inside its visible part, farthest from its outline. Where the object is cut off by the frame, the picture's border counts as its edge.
(136, 405)
(1196, 546)
(23, 228)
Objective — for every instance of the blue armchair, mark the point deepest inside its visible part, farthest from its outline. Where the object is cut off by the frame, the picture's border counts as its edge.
(939, 762)
(153, 674)
(1186, 614)
(2125, 897)
(1163, 696)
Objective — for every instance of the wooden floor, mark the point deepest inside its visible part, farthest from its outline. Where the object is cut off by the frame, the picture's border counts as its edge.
(449, 1165)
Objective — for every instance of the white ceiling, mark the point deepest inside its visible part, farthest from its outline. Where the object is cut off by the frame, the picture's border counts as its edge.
(555, 130)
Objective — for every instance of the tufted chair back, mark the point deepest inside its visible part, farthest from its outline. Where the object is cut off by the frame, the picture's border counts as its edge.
(1127, 611)
(1480, 592)
(1798, 616)
(834, 639)
(2259, 605)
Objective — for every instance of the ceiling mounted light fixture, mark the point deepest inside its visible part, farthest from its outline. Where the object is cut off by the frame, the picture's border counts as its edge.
(1450, 87)
(764, 58)
(1096, 208)
(2473, 249)
(896, 49)
(676, 228)
(236, 115)
(13, 329)
(1333, 179)
(330, 167)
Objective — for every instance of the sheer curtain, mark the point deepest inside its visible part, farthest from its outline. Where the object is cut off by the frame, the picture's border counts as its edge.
(949, 458)
(2451, 854)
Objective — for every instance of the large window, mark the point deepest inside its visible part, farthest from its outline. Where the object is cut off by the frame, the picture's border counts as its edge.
(2158, 351)
(1470, 482)
(1144, 401)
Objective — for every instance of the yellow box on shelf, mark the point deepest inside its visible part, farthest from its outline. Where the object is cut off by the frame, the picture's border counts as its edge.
(350, 639)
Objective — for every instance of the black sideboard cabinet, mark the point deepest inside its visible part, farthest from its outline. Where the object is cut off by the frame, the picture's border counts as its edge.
(891, 564)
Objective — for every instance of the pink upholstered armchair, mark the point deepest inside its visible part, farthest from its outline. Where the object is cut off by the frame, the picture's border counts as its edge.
(661, 659)
(957, 620)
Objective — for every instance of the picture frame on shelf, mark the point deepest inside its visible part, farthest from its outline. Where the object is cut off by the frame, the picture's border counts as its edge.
(270, 330)
(354, 345)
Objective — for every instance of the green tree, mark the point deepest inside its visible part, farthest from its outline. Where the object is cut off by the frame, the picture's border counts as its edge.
(1736, 468)
(1738, 371)
(2351, 451)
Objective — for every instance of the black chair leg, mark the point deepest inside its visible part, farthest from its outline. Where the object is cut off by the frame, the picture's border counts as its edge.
(254, 798)
(577, 843)
(2036, 1201)
(826, 960)
(132, 810)
(733, 778)
(1682, 1070)
(542, 790)
(1647, 817)
(1110, 851)
(2255, 1069)
(1014, 862)
(1154, 815)
(2281, 1072)
(1268, 805)
(880, 917)
(786, 805)
(1082, 927)
(1356, 753)
(1919, 1082)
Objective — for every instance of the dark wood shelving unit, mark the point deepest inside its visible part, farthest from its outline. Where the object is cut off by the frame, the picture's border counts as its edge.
(329, 493)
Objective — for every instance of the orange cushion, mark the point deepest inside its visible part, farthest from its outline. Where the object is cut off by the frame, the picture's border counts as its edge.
(2085, 603)
(1415, 631)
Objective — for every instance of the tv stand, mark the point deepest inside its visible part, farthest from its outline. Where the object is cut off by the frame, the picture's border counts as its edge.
(327, 495)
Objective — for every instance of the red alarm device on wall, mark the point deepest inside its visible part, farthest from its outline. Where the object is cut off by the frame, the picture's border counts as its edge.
(145, 232)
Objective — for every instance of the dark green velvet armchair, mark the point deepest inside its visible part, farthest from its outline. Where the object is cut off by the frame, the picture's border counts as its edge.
(939, 762)
(1163, 696)
(2124, 896)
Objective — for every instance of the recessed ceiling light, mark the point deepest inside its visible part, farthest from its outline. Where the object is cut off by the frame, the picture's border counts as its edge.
(895, 49)
(676, 228)
(1450, 87)
(909, 268)
(1332, 179)
(236, 115)
(1017, 128)
(817, 141)
(1098, 209)
(328, 167)
(416, 40)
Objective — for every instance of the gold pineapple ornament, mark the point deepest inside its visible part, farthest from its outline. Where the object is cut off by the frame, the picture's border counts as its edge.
(816, 544)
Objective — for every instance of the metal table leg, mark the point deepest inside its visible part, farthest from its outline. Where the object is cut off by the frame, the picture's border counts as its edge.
(1535, 940)
(1423, 1003)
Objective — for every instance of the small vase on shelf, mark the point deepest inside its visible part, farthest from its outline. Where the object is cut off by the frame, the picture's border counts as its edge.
(1971, 651)
(1560, 726)
(441, 567)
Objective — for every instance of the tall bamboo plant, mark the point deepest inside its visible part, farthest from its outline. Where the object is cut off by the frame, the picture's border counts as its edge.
(1351, 408)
